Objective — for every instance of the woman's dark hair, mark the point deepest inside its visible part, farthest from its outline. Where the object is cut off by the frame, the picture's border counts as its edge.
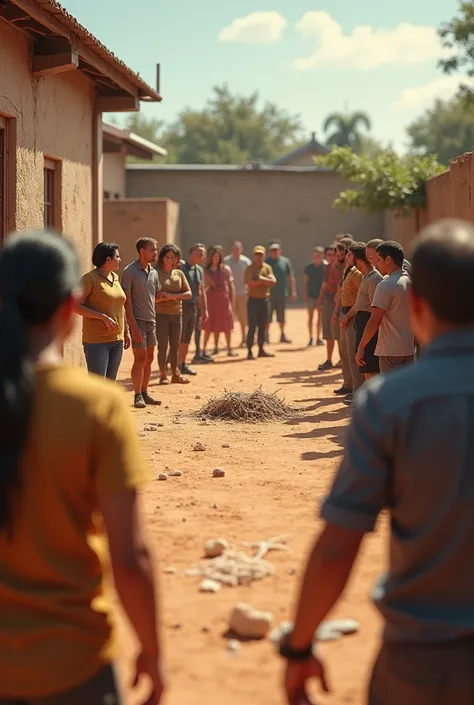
(102, 251)
(215, 249)
(38, 272)
(164, 251)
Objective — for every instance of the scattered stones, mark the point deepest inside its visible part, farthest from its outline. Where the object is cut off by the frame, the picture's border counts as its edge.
(197, 396)
(150, 427)
(215, 547)
(170, 571)
(291, 571)
(233, 646)
(173, 473)
(199, 447)
(162, 476)
(249, 623)
(225, 445)
(331, 630)
(207, 585)
(205, 630)
(218, 472)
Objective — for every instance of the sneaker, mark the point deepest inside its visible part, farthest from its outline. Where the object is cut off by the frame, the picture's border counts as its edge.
(232, 353)
(179, 379)
(185, 370)
(320, 343)
(284, 339)
(348, 399)
(149, 399)
(343, 391)
(264, 353)
(325, 366)
(310, 344)
(250, 355)
(338, 364)
(139, 402)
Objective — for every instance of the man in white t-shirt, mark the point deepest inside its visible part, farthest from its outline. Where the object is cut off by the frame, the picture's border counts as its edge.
(238, 263)
(390, 312)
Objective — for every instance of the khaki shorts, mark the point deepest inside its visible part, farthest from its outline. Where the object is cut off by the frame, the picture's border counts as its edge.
(240, 309)
(148, 331)
(387, 364)
(312, 304)
(331, 329)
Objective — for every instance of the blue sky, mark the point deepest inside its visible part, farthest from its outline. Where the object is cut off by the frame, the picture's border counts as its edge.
(311, 58)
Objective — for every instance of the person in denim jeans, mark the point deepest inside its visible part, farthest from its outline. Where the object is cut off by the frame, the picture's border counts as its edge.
(104, 330)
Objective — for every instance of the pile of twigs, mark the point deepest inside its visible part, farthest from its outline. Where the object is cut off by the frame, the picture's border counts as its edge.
(253, 407)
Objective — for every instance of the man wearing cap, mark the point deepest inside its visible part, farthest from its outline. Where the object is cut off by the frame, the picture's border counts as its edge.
(259, 279)
(285, 284)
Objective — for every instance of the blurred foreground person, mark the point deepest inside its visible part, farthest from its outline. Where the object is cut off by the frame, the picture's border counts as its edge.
(410, 452)
(71, 467)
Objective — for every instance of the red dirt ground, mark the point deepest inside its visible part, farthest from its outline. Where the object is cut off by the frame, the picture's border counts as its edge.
(276, 474)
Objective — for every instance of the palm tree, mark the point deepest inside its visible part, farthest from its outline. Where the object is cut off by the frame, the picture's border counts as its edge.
(346, 131)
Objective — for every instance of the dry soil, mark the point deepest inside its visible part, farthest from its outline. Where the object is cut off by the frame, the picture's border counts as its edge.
(276, 476)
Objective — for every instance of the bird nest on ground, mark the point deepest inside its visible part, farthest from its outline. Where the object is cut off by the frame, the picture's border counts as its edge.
(250, 407)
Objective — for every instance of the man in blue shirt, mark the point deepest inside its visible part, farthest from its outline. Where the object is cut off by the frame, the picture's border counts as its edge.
(285, 284)
(409, 453)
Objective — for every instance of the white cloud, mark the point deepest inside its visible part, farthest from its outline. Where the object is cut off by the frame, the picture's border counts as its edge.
(422, 96)
(366, 47)
(256, 28)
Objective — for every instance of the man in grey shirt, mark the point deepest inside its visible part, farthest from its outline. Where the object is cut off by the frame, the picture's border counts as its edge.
(141, 284)
(238, 263)
(409, 452)
(390, 312)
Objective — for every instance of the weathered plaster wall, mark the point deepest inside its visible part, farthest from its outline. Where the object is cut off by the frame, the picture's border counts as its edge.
(114, 174)
(53, 118)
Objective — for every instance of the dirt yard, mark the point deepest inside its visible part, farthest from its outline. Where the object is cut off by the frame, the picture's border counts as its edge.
(276, 476)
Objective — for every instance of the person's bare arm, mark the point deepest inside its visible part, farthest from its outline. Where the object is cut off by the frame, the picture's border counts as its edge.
(132, 568)
(305, 287)
(134, 329)
(321, 294)
(203, 302)
(371, 329)
(87, 312)
(292, 283)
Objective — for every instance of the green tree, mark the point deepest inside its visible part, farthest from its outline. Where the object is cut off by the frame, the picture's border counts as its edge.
(386, 181)
(457, 37)
(445, 130)
(149, 128)
(231, 129)
(346, 129)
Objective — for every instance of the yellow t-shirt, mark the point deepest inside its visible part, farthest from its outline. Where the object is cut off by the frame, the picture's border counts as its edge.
(254, 272)
(350, 287)
(55, 629)
(106, 296)
(173, 282)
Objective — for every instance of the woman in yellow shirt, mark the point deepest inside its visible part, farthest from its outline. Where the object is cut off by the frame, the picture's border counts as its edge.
(71, 469)
(174, 290)
(104, 330)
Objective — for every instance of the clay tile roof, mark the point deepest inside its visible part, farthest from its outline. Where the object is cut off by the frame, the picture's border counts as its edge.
(312, 147)
(62, 16)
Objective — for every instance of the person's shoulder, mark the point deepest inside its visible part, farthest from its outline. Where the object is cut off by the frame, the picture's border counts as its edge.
(131, 267)
(228, 259)
(83, 388)
(90, 276)
(246, 260)
(309, 266)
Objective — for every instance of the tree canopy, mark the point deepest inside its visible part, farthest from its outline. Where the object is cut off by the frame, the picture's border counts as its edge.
(230, 129)
(346, 129)
(446, 130)
(457, 37)
(385, 181)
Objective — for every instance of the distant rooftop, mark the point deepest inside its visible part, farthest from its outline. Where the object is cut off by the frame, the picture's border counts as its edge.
(115, 138)
(226, 167)
(313, 147)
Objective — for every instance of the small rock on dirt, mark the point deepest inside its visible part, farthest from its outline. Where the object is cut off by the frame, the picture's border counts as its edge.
(162, 476)
(249, 623)
(233, 646)
(174, 473)
(218, 472)
(209, 586)
(199, 447)
(150, 427)
(225, 445)
(197, 396)
(170, 571)
(215, 547)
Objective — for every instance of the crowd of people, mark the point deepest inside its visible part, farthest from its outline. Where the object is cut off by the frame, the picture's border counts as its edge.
(72, 468)
(163, 301)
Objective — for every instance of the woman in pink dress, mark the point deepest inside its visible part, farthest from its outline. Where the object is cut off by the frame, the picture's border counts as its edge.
(219, 284)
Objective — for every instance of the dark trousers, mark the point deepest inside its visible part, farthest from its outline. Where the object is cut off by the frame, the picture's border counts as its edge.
(104, 358)
(258, 312)
(424, 674)
(101, 688)
(168, 332)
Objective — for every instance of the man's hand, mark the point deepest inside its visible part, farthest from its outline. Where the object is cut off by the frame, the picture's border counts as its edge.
(359, 358)
(126, 340)
(344, 321)
(150, 667)
(137, 336)
(296, 677)
(293, 297)
(205, 316)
